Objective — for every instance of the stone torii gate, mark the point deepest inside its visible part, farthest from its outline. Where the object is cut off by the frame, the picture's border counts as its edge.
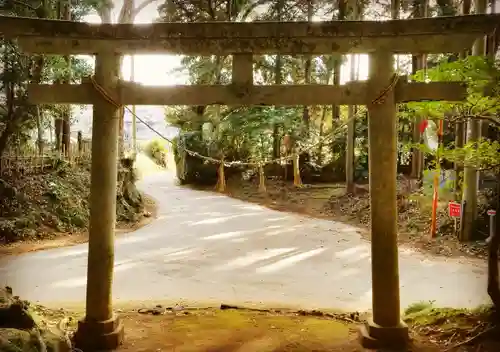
(101, 329)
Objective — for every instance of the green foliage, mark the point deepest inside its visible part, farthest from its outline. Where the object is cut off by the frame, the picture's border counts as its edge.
(252, 133)
(157, 151)
(17, 116)
(482, 77)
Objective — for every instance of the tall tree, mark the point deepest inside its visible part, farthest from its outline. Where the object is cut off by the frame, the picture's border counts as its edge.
(278, 79)
(341, 16)
(460, 125)
(65, 8)
(127, 14)
(470, 183)
(419, 62)
(355, 13)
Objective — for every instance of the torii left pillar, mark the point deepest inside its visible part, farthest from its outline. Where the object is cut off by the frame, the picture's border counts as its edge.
(384, 330)
(101, 329)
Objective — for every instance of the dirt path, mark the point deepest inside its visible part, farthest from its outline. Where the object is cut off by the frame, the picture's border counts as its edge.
(211, 248)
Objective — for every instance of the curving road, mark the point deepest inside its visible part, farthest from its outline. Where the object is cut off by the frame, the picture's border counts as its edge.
(209, 248)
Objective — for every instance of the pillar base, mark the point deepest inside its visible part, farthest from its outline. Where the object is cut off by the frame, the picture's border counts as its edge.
(373, 336)
(99, 336)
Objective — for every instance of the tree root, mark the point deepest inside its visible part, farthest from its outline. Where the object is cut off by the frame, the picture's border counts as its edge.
(471, 339)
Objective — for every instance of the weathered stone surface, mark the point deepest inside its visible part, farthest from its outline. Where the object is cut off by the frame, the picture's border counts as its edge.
(19, 330)
(278, 95)
(13, 311)
(16, 340)
(18, 26)
(427, 35)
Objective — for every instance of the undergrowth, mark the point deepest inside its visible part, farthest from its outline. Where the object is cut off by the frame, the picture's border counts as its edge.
(35, 206)
(455, 329)
(157, 151)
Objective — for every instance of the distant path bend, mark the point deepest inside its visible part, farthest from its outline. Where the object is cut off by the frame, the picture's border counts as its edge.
(210, 248)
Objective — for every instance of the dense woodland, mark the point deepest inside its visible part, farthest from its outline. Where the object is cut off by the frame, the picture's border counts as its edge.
(44, 174)
(332, 140)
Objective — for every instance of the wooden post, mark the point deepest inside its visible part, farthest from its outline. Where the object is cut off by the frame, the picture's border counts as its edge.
(101, 329)
(385, 330)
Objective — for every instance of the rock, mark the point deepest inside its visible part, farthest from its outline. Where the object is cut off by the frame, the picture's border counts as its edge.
(19, 330)
(16, 340)
(14, 312)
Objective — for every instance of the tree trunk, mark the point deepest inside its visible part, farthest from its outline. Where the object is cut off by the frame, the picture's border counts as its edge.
(460, 126)
(469, 196)
(329, 71)
(494, 246)
(419, 62)
(66, 121)
(9, 102)
(306, 115)
(37, 77)
(278, 79)
(356, 14)
(338, 67)
(127, 14)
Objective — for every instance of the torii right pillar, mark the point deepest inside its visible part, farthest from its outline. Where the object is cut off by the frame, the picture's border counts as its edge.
(385, 330)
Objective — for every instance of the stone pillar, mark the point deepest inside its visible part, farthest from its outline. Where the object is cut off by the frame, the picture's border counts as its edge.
(101, 329)
(385, 329)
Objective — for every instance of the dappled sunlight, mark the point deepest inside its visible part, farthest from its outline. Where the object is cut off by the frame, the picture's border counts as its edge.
(249, 207)
(273, 227)
(407, 251)
(279, 218)
(137, 239)
(280, 231)
(225, 235)
(352, 251)
(82, 280)
(211, 213)
(218, 220)
(227, 251)
(68, 252)
(239, 240)
(125, 266)
(358, 258)
(341, 274)
(74, 282)
(159, 252)
(253, 257)
(182, 253)
(209, 197)
(289, 261)
(427, 262)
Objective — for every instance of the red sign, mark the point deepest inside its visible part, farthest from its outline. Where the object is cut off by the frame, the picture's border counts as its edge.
(491, 212)
(454, 209)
